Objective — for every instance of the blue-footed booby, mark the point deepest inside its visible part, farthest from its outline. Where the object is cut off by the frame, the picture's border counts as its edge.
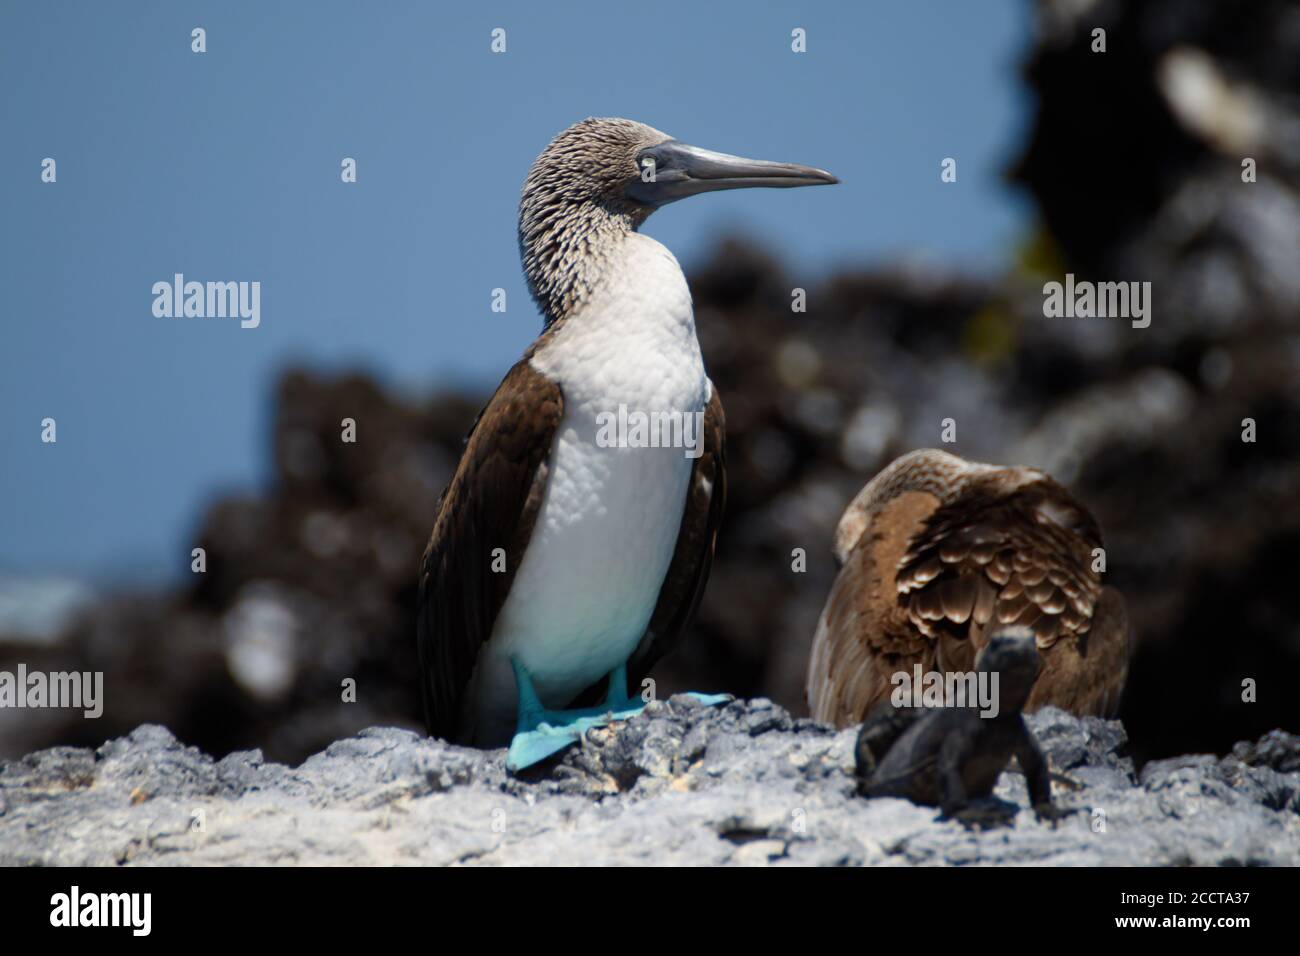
(562, 561)
(937, 553)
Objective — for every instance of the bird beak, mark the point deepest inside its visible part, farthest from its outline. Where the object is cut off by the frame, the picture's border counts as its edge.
(673, 170)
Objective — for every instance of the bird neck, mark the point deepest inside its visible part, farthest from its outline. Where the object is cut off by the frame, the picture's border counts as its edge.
(933, 472)
(567, 249)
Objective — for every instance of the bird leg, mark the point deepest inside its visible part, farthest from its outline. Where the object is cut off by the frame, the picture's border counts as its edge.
(539, 732)
(617, 697)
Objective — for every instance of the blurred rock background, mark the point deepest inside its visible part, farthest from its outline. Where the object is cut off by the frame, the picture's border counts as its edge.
(1136, 170)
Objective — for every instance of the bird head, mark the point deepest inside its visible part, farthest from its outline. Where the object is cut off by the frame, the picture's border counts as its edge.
(604, 176)
(634, 168)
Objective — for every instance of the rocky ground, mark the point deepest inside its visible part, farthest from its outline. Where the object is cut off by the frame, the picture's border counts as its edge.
(680, 785)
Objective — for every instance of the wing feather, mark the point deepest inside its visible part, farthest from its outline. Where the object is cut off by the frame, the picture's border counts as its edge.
(925, 584)
(1036, 569)
(491, 503)
(683, 587)
(864, 635)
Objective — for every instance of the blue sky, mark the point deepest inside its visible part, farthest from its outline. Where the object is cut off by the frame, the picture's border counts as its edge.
(225, 166)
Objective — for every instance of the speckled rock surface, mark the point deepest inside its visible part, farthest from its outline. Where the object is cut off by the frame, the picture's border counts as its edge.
(680, 784)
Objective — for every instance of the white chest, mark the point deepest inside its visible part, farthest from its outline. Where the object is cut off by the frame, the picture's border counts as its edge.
(608, 524)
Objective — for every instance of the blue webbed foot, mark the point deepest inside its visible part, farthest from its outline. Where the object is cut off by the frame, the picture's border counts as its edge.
(539, 732)
(708, 700)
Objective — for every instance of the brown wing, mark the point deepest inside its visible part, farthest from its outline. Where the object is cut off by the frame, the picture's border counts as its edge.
(864, 635)
(683, 586)
(492, 502)
(925, 582)
(1087, 676)
(1021, 558)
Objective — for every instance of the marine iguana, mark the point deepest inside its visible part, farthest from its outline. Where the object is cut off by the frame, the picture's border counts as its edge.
(951, 757)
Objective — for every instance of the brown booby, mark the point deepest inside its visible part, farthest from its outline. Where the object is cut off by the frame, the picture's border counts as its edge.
(935, 554)
(569, 551)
